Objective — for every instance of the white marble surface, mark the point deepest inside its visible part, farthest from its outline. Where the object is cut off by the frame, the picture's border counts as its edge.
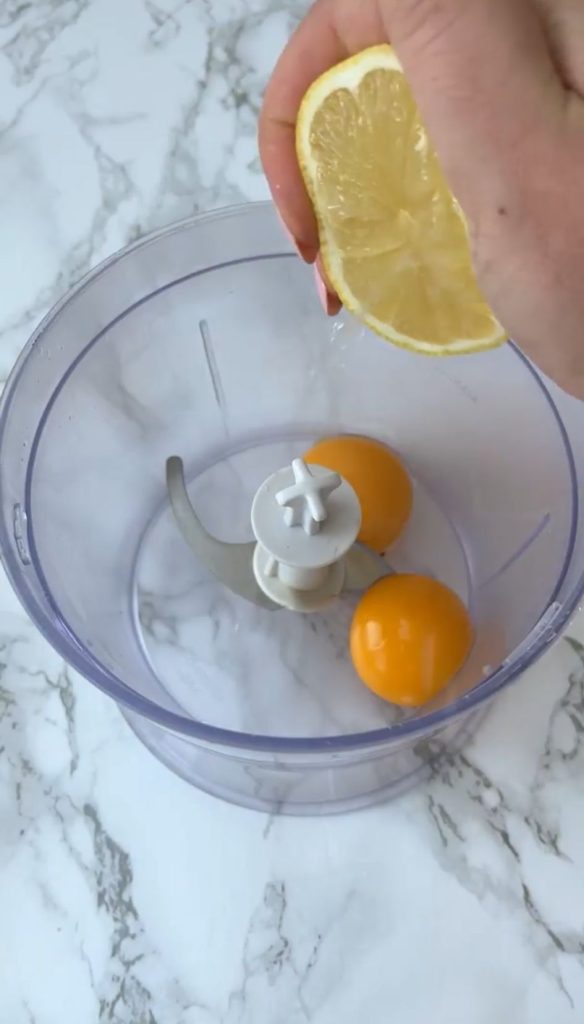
(125, 896)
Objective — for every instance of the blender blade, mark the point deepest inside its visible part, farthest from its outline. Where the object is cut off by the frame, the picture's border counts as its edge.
(232, 564)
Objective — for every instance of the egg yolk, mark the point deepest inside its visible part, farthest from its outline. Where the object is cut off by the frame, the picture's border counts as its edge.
(409, 636)
(378, 478)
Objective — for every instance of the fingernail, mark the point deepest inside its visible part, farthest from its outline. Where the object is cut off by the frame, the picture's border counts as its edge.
(306, 252)
(329, 302)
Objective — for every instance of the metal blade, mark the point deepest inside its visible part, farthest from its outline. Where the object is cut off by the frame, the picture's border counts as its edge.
(363, 568)
(231, 564)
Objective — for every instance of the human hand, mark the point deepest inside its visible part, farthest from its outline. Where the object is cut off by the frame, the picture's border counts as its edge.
(500, 84)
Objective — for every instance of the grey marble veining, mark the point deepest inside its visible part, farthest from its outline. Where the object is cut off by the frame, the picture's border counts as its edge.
(125, 896)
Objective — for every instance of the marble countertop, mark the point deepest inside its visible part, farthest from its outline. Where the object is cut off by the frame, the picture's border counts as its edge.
(126, 896)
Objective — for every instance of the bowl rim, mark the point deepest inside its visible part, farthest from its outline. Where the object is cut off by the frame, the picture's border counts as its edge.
(55, 629)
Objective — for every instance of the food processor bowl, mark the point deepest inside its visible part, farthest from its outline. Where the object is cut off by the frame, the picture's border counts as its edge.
(206, 341)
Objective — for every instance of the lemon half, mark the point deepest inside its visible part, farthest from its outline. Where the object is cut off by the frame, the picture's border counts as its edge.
(394, 240)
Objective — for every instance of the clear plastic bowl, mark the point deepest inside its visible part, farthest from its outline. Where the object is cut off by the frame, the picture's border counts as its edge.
(206, 341)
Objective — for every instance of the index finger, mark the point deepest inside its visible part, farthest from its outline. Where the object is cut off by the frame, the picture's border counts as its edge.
(329, 33)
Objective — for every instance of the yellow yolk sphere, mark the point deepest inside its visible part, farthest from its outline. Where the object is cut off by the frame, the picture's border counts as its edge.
(409, 636)
(378, 478)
